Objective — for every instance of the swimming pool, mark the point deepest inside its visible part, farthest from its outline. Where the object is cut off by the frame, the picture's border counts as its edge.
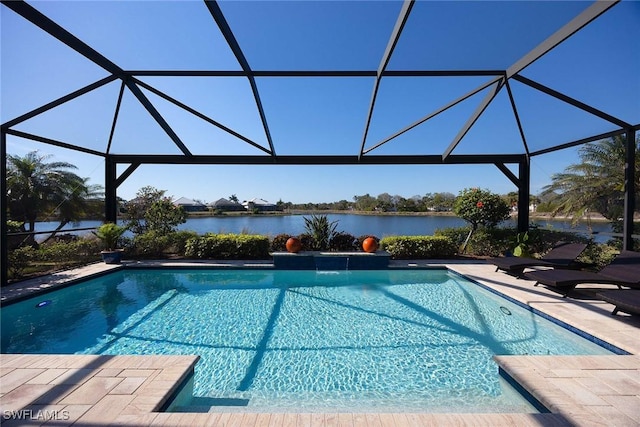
(303, 340)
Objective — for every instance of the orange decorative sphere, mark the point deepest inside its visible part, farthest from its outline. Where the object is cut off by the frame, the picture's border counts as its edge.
(370, 245)
(294, 245)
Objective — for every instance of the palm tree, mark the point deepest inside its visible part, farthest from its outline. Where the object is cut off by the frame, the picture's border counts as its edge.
(76, 205)
(37, 188)
(597, 183)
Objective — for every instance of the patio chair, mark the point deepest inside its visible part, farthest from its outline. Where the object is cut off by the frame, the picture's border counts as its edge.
(626, 300)
(624, 270)
(560, 256)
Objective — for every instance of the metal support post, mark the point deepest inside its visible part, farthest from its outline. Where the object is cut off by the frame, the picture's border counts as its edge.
(524, 192)
(110, 190)
(629, 190)
(4, 238)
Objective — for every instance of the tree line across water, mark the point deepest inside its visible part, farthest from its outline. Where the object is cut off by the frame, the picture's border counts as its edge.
(385, 202)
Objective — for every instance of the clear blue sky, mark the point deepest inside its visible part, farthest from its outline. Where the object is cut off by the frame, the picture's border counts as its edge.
(598, 66)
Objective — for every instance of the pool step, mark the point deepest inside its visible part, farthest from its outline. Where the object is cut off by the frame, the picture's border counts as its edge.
(206, 404)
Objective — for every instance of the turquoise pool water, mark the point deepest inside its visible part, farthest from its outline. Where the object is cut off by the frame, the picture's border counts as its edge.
(350, 340)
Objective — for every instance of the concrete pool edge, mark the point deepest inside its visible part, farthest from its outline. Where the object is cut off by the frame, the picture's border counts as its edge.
(567, 385)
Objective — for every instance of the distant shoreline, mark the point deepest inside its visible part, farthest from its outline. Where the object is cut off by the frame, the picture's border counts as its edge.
(532, 215)
(315, 212)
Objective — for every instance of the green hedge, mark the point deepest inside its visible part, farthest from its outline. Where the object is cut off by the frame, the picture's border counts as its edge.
(228, 246)
(154, 244)
(70, 253)
(418, 247)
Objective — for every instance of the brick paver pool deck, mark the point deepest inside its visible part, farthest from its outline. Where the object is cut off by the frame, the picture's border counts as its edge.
(97, 390)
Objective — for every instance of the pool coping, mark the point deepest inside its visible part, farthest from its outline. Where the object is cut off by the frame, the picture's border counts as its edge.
(578, 390)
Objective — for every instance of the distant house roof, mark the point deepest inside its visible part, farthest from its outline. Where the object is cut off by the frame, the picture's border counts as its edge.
(183, 201)
(134, 201)
(224, 203)
(257, 202)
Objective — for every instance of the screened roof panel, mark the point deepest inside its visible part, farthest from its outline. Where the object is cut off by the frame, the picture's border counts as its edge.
(226, 100)
(200, 136)
(548, 122)
(146, 35)
(315, 115)
(617, 90)
(325, 114)
(312, 35)
(495, 132)
(465, 35)
(32, 59)
(434, 135)
(96, 109)
(138, 133)
(401, 102)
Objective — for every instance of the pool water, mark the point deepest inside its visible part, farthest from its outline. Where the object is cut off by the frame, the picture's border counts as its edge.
(303, 340)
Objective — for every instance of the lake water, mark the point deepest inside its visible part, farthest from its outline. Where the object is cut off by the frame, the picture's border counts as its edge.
(357, 225)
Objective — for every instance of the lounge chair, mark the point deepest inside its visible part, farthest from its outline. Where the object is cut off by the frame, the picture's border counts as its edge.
(626, 300)
(624, 270)
(561, 256)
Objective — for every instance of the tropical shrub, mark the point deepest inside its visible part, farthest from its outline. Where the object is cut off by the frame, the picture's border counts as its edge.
(65, 254)
(499, 241)
(279, 242)
(155, 244)
(418, 247)
(308, 242)
(481, 208)
(27, 261)
(110, 233)
(13, 242)
(526, 243)
(163, 216)
(179, 240)
(321, 230)
(151, 244)
(218, 246)
(491, 242)
(19, 260)
(598, 255)
(228, 246)
(135, 210)
(343, 242)
(151, 210)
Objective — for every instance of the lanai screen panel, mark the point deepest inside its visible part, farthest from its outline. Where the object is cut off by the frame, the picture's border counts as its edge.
(457, 49)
